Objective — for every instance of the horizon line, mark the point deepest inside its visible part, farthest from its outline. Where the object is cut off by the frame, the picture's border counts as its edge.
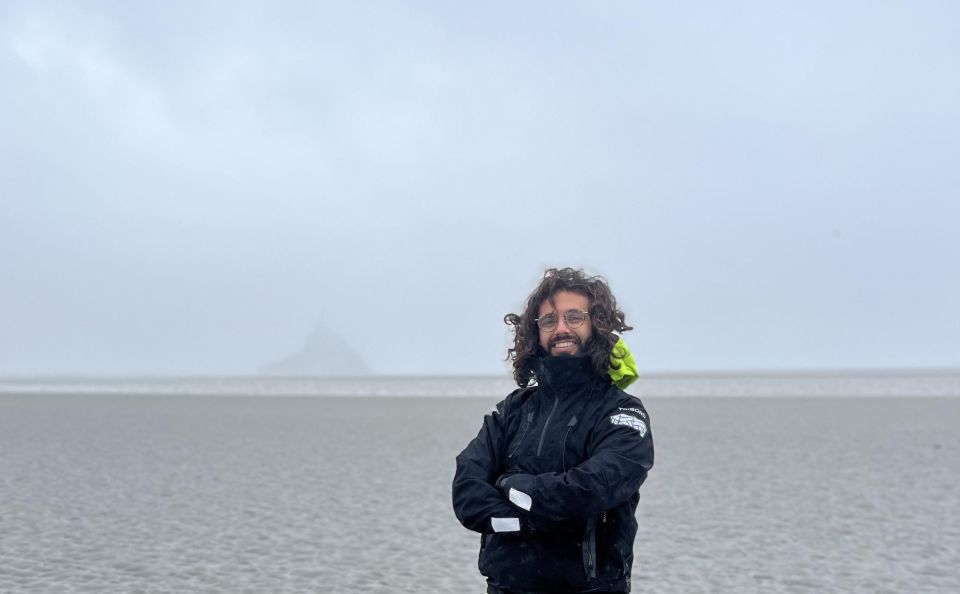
(653, 374)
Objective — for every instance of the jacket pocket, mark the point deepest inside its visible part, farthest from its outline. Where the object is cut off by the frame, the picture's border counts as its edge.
(622, 565)
(523, 433)
(611, 561)
(482, 559)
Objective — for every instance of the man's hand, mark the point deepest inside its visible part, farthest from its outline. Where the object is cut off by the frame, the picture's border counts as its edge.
(531, 524)
(515, 487)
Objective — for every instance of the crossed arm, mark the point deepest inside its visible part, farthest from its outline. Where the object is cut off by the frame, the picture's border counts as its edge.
(484, 501)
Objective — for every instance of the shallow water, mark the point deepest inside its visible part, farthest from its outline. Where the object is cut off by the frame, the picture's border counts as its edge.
(266, 494)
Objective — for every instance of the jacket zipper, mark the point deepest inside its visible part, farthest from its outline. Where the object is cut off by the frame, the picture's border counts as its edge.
(563, 446)
(590, 549)
(592, 544)
(546, 424)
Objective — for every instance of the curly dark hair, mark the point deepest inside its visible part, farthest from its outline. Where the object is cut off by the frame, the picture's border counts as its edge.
(608, 321)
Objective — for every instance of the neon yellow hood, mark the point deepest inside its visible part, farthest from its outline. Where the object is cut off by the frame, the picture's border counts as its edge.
(625, 373)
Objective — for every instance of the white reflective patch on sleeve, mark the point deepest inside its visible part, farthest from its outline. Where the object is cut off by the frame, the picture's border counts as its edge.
(520, 499)
(630, 421)
(505, 524)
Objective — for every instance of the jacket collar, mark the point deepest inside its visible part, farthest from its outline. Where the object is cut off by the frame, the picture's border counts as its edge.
(563, 375)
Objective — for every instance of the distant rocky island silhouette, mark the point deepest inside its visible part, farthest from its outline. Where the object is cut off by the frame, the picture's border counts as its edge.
(324, 352)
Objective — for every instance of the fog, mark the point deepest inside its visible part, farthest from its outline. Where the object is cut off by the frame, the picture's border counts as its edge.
(196, 189)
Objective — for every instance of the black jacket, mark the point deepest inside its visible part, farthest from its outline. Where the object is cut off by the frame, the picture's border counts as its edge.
(551, 482)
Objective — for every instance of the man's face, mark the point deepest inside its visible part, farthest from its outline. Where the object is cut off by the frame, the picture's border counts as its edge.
(564, 340)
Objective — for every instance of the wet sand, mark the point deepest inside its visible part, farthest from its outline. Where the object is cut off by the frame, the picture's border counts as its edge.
(156, 494)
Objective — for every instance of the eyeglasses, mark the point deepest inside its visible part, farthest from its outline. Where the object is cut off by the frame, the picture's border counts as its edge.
(573, 318)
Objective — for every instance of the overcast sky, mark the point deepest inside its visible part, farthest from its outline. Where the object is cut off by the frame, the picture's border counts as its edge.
(192, 187)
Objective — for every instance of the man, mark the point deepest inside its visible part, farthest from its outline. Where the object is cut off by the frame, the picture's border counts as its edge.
(551, 481)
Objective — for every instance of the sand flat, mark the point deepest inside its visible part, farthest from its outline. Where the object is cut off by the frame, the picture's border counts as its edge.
(107, 493)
